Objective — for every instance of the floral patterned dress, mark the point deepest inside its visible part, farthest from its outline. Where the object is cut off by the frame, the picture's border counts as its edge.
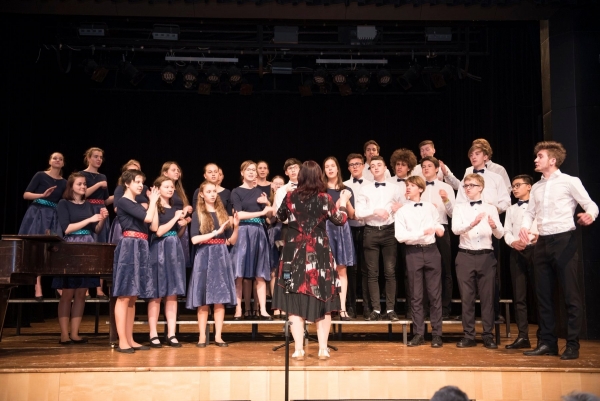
(312, 288)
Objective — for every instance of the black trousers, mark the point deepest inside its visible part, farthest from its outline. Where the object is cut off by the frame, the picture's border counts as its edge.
(555, 260)
(358, 272)
(476, 274)
(381, 241)
(424, 267)
(443, 246)
(521, 274)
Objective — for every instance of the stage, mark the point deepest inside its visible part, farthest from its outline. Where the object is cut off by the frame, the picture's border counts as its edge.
(34, 366)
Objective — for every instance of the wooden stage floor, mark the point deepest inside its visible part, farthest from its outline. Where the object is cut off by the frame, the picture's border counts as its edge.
(34, 366)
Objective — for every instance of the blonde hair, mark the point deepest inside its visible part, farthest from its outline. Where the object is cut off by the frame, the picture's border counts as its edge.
(178, 185)
(245, 165)
(475, 177)
(88, 154)
(204, 218)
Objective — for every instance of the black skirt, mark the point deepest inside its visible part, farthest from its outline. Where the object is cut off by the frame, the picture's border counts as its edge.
(306, 306)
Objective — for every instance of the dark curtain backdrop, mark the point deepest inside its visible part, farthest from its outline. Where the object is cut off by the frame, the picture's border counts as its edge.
(45, 110)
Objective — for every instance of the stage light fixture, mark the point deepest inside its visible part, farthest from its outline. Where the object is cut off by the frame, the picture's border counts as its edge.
(383, 77)
(363, 77)
(213, 75)
(235, 75)
(96, 72)
(319, 76)
(169, 74)
(190, 76)
(340, 77)
(134, 75)
(166, 32)
(410, 77)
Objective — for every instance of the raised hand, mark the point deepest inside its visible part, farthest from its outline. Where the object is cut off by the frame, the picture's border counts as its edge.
(222, 227)
(444, 168)
(479, 217)
(104, 212)
(444, 195)
(236, 219)
(524, 235)
(188, 210)
(48, 191)
(263, 199)
(154, 194)
(491, 222)
(96, 218)
(103, 184)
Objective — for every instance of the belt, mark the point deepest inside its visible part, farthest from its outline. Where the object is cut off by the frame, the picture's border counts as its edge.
(214, 241)
(421, 245)
(557, 235)
(44, 202)
(357, 228)
(254, 220)
(96, 201)
(477, 252)
(169, 234)
(380, 227)
(135, 234)
(81, 232)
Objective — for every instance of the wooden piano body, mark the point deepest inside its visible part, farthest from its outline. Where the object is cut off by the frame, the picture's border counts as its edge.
(24, 257)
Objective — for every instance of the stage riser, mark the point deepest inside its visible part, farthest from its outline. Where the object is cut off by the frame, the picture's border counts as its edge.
(268, 385)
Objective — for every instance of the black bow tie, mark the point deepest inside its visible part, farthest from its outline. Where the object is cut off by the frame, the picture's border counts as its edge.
(429, 183)
(369, 168)
(377, 184)
(476, 203)
(418, 204)
(355, 180)
(400, 179)
(521, 202)
(294, 185)
(478, 171)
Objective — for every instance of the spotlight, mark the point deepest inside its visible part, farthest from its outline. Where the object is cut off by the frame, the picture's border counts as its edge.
(320, 76)
(383, 77)
(340, 77)
(96, 72)
(190, 76)
(213, 75)
(235, 75)
(410, 77)
(363, 77)
(169, 74)
(134, 75)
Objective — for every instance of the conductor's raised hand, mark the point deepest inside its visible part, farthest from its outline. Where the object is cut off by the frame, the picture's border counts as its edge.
(584, 219)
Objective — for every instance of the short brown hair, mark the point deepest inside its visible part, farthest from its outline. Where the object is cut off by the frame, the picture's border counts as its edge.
(426, 142)
(475, 177)
(378, 158)
(478, 146)
(432, 159)
(291, 162)
(406, 156)
(555, 150)
(129, 175)
(416, 180)
(484, 142)
(355, 156)
(371, 142)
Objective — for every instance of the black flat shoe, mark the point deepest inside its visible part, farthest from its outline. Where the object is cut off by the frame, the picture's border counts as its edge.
(130, 350)
(519, 343)
(82, 341)
(66, 342)
(201, 345)
(102, 296)
(267, 318)
(170, 342)
(542, 349)
(141, 348)
(155, 345)
(223, 344)
(238, 318)
(40, 299)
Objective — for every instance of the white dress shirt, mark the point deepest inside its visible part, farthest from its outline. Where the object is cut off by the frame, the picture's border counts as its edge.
(369, 176)
(552, 203)
(513, 221)
(401, 186)
(501, 171)
(494, 192)
(356, 188)
(449, 179)
(480, 236)
(372, 197)
(281, 193)
(411, 221)
(432, 194)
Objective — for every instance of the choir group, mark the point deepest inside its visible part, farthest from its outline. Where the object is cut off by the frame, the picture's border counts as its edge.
(225, 245)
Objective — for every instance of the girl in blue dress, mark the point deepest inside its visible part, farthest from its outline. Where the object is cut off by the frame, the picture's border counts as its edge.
(78, 221)
(132, 277)
(212, 281)
(166, 261)
(340, 236)
(45, 190)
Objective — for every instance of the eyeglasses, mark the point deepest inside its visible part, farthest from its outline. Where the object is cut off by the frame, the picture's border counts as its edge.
(469, 186)
(293, 168)
(518, 184)
(352, 165)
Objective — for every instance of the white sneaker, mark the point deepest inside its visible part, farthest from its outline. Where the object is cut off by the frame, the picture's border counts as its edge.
(324, 353)
(298, 355)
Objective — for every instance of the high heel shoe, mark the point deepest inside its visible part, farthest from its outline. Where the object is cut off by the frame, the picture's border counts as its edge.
(344, 316)
(324, 354)
(298, 355)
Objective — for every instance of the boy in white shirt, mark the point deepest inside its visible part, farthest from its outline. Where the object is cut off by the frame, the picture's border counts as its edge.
(427, 149)
(416, 225)
(476, 221)
(371, 148)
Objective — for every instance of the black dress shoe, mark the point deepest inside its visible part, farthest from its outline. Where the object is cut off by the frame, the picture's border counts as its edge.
(374, 316)
(223, 344)
(344, 316)
(436, 342)
(519, 343)
(466, 343)
(391, 316)
(489, 343)
(82, 341)
(570, 353)
(351, 312)
(154, 344)
(542, 349)
(129, 350)
(445, 316)
(416, 341)
(367, 314)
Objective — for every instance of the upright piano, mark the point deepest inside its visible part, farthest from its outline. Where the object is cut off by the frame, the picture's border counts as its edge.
(24, 257)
